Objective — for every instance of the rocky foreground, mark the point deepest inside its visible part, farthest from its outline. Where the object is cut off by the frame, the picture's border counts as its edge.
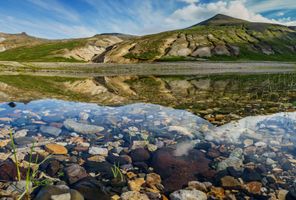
(143, 151)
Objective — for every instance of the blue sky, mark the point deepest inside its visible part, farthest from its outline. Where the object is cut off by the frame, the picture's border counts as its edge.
(83, 18)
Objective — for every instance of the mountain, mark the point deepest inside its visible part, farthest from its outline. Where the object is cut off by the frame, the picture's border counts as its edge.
(219, 38)
(9, 41)
(22, 47)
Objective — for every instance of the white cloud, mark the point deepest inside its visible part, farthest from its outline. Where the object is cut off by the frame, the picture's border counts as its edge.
(194, 13)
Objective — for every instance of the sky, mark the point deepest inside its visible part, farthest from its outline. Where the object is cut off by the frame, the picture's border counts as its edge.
(56, 19)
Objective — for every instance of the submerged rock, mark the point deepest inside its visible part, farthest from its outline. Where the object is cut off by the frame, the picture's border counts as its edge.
(56, 149)
(134, 195)
(50, 130)
(188, 195)
(58, 192)
(82, 128)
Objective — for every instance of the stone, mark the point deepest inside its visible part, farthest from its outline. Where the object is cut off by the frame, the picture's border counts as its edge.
(22, 141)
(104, 168)
(202, 52)
(197, 185)
(65, 196)
(153, 180)
(8, 171)
(119, 159)
(177, 171)
(98, 151)
(50, 130)
(56, 149)
(251, 175)
(97, 158)
(3, 143)
(82, 128)
(58, 192)
(91, 189)
(139, 155)
(248, 142)
(20, 133)
(188, 195)
(53, 167)
(75, 173)
(133, 195)
(136, 184)
(230, 183)
(254, 187)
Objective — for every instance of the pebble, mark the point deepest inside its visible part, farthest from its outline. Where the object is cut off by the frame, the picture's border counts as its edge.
(56, 149)
(82, 128)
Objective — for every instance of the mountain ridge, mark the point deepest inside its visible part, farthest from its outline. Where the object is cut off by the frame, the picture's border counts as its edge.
(219, 38)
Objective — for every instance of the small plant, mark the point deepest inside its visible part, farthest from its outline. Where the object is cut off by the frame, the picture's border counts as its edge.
(117, 172)
(31, 171)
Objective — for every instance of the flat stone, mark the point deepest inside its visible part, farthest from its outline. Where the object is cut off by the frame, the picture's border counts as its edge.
(98, 151)
(50, 130)
(82, 128)
(56, 149)
(24, 140)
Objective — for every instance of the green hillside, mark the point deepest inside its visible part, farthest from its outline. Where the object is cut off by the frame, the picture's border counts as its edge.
(219, 38)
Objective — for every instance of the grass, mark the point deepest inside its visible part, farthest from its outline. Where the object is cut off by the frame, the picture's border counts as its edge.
(48, 52)
(30, 175)
(117, 174)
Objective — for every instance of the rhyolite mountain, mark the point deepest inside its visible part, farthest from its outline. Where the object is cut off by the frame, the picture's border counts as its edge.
(22, 47)
(218, 38)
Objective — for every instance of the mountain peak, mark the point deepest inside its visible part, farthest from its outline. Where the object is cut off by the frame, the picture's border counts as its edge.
(220, 20)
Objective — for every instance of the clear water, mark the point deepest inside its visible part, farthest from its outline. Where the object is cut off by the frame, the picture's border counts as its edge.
(146, 119)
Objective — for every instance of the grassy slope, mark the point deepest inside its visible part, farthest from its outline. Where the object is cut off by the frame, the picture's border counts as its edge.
(244, 36)
(47, 52)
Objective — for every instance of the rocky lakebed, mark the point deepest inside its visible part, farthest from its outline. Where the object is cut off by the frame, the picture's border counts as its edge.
(75, 151)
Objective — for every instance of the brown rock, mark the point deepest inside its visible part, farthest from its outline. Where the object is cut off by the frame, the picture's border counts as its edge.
(3, 143)
(75, 173)
(56, 149)
(8, 171)
(176, 172)
(135, 185)
(254, 187)
(197, 185)
(230, 182)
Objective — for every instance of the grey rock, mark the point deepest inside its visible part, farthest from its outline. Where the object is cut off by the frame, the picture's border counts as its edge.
(54, 192)
(24, 140)
(53, 131)
(82, 128)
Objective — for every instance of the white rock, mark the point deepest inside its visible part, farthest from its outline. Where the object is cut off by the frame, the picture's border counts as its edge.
(188, 195)
(20, 133)
(98, 151)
